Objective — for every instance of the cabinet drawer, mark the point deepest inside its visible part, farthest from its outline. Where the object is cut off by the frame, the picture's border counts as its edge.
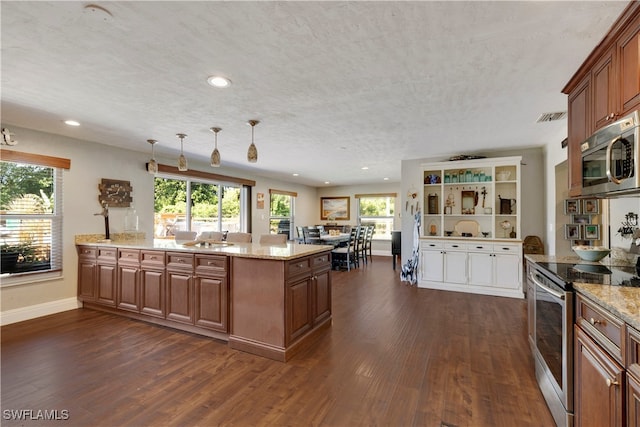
(107, 254)
(498, 248)
(455, 246)
(298, 267)
(87, 252)
(128, 256)
(480, 247)
(431, 245)
(321, 260)
(605, 329)
(179, 261)
(211, 264)
(152, 259)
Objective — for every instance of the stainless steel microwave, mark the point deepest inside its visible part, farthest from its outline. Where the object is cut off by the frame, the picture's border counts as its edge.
(610, 159)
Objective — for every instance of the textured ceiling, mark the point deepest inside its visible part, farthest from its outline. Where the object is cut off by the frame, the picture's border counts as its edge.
(336, 85)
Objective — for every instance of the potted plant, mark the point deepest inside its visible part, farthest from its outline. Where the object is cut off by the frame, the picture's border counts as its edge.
(11, 253)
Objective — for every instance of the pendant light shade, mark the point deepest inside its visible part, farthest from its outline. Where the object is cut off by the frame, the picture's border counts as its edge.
(252, 153)
(152, 165)
(182, 160)
(215, 155)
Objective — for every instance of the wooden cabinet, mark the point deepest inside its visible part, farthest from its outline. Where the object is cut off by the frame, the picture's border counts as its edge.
(477, 266)
(87, 273)
(605, 88)
(321, 288)
(633, 377)
(211, 292)
(599, 385)
(152, 283)
(128, 295)
(106, 277)
(179, 298)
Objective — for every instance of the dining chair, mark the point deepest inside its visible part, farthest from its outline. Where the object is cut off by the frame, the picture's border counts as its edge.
(346, 255)
(369, 242)
(239, 237)
(212, 235)
(300, 231)
(185, 236)
(360, 244)
(312, 236)
(273, 239)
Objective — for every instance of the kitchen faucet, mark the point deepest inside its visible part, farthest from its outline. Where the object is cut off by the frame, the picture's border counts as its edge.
(105, 214)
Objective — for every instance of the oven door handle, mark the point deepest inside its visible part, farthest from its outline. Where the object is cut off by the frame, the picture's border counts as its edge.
(553, 292)
(608, 161)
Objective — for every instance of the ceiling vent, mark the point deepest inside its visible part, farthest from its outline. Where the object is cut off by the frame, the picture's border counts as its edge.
(550, 117)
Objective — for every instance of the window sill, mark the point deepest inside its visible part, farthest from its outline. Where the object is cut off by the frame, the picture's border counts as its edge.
(8, 280)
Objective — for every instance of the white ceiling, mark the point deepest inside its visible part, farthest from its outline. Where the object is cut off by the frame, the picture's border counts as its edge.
(336, 85)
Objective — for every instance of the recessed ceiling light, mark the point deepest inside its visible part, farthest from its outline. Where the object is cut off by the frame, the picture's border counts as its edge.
(71, 123)
(327, 182)
(364, 168)
(218, 81)
(296, 174)
(385, 178)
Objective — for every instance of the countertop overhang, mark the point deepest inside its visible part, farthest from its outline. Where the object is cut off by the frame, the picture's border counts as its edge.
(244, 250)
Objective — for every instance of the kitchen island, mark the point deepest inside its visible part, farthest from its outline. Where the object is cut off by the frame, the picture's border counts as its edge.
(269, 300)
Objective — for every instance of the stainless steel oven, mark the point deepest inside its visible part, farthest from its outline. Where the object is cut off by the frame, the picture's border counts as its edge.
(553, 350)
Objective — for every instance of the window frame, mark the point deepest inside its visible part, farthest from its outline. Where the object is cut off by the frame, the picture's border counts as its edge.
(365, 219)
(292, 202)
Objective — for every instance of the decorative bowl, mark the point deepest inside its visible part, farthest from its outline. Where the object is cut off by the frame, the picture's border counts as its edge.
(591, 253)
(503, 176)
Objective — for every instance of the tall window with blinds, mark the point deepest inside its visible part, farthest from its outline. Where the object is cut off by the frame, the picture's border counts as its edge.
(30, 218)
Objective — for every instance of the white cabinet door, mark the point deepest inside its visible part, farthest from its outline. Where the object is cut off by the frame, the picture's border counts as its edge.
(480, 269)
(431, 265)
(508, 271)
(455, 267)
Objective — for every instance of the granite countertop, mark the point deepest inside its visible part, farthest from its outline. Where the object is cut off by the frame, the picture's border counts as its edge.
(623, 302)
(244, 250)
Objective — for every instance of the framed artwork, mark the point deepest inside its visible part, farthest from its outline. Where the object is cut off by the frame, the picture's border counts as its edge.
(260, 201)
(334, 208)
(571, 206)
(581, 219)
(590, 206)
(572, 232)
(592, 232)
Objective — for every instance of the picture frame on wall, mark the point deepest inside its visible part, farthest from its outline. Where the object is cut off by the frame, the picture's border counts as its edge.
(572, 232)
(334, 208)
(571, 206)
(590, 206)
(581, 219)
(592, 231)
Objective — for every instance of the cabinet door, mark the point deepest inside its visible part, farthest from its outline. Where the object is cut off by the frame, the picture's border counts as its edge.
(86, 279)
(431, 265)
(298, 310)
(633, 402)
(579, 130)
(628, 65)
(180, 296)
(321, 295)
(603, 90)
(152, 292)
(507, 271)
(480, 269)
(106, 285)
(211, 302)
(128, 288)
(455, 267)
(598, 385)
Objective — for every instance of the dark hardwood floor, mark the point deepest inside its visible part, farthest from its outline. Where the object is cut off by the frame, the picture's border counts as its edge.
(395, 356)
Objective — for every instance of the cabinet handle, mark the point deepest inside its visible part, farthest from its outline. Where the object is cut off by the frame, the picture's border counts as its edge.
(300, 265)
(152, 258)
(611, 382)
(479, 247)
(595, 322)
(209, 263)
(506, 249)
(180, 260)
(455, 246)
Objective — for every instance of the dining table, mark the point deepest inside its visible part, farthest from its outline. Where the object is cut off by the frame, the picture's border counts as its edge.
(335, 239)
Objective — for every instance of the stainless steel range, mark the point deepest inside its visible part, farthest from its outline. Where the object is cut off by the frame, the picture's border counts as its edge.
(553, 325)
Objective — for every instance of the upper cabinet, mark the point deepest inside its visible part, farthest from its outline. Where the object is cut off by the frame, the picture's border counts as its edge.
(605, 88)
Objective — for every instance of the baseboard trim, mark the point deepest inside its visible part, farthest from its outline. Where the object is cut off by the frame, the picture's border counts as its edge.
(38, 310)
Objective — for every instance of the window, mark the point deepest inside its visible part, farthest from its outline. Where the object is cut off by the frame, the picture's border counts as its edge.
(377, 209)
(30, 214)
(213, 206)
(281, 212)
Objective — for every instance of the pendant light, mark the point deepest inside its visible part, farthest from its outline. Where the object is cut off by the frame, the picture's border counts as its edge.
(152, 165)
(182, 160)
(252, 154)
(215, 155)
